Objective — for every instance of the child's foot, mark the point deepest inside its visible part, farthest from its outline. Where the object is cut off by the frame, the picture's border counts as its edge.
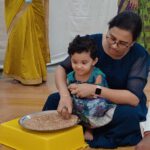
(88, 135)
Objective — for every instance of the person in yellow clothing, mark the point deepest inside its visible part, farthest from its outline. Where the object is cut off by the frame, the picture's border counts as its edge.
(27, 49)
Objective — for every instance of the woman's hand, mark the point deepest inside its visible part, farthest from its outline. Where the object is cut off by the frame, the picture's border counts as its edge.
(82, 90)
(65, 106)
(134, 4)
(144, 143)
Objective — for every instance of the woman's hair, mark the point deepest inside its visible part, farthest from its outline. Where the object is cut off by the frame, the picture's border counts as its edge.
(83, 44)
(129, 21)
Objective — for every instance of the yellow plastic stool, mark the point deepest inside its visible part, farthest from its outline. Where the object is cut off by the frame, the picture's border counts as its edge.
(13, 135)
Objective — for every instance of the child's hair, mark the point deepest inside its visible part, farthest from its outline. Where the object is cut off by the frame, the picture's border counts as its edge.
(83, 44)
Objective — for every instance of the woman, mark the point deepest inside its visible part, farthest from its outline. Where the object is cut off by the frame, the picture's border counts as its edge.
(142, 7)
(125, 64)
(27, 49)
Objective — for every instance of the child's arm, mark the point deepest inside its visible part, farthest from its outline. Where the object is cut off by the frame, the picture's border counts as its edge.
(98, 79)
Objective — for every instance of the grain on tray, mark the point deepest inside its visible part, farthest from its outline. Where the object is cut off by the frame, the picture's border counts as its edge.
(48, 121)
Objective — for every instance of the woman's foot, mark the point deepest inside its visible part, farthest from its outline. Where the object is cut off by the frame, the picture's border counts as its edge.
(88, 135)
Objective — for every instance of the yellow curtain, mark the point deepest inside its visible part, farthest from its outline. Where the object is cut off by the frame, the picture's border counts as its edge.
(27, 49)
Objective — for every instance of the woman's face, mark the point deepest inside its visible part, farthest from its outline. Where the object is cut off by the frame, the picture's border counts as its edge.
(118, 42)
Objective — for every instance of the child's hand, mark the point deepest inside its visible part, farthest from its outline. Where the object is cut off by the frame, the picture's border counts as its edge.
(65, 106)
(64, 113)
(82, 90)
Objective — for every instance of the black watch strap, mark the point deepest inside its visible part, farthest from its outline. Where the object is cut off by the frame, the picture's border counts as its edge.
(98, 90)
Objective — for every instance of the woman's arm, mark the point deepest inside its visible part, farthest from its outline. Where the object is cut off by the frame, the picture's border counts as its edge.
(115, 96)
(119, 96)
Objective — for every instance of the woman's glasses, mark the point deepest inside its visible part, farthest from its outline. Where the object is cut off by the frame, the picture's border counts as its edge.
(120, 44)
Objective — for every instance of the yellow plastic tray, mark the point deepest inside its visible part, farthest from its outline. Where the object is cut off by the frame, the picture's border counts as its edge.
(13, 135)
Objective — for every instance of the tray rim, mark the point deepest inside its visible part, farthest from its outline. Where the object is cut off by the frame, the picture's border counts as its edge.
(25, 117)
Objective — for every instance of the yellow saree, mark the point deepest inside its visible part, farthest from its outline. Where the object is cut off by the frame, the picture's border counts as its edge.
(27, 49)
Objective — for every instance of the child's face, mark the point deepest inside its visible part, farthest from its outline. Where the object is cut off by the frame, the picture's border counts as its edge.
(82, 63)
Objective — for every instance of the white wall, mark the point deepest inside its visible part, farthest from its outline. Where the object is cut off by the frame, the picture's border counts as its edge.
(71, 17)
(67, 19)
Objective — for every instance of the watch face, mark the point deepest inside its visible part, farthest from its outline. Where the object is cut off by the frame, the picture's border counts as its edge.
(98, 91)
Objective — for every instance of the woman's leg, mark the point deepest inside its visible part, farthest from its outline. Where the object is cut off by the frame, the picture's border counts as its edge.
(123, 130)
(52, 102)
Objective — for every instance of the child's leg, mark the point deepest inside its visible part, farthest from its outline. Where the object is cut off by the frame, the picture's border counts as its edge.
(88, 135)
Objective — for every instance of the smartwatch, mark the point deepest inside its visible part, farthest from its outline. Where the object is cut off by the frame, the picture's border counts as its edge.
(98, 90)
